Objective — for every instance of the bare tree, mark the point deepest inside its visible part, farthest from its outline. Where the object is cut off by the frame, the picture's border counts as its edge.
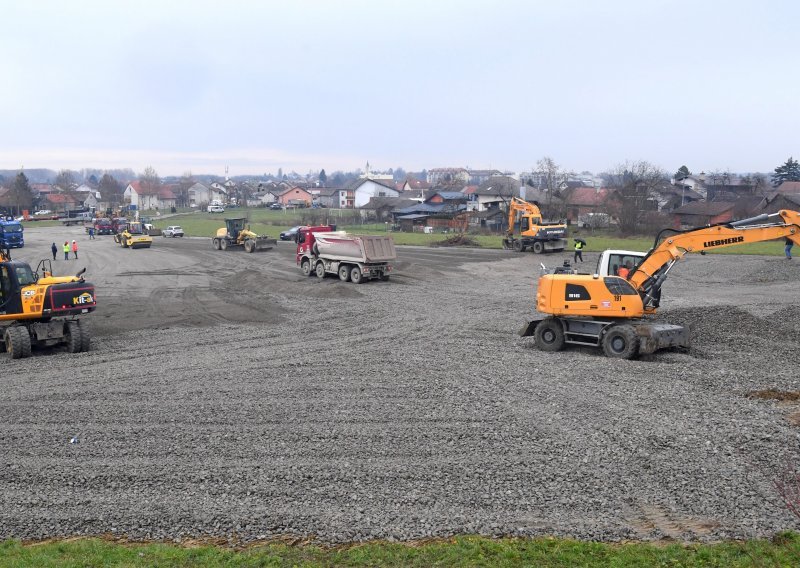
(187, 181)
(634, 184)
(65, 180)
(149, 179)
(552, 177)
(110, 190)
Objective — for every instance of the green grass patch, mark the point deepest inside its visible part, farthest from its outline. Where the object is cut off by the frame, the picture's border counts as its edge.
(783, 550)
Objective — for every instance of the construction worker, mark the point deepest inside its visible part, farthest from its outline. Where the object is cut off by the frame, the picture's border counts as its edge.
(66, 250)
(75, 249)
(579, 244)
(624, 271)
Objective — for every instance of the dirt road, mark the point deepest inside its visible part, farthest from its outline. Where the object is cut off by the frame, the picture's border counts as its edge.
(227, 395)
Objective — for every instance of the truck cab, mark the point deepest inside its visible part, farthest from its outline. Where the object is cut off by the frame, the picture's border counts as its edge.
(11, 234)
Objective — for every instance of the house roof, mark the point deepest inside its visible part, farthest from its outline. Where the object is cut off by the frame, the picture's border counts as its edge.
(412, 217)
(389, 184)
(708, 208)
(292, 188)
(394, 202)
(60, 198)
(789, 187)
(451, 195)
(587, 196)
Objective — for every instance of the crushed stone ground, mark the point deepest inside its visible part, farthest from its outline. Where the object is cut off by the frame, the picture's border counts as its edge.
(228, 396)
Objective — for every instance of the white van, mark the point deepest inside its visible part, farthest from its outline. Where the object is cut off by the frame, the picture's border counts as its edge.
(216, 209)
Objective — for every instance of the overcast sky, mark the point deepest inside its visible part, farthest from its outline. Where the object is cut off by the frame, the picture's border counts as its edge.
(303, 85)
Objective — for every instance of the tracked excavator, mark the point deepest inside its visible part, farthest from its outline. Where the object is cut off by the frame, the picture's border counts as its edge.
(527, 230)
(611, 312)
(38, 309)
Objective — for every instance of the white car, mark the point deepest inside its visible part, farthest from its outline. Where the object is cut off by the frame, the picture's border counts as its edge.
(216, 209)
(43, 212)
(172, 231)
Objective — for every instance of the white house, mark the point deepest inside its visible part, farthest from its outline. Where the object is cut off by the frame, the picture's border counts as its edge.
(142, 197)
(365, 189)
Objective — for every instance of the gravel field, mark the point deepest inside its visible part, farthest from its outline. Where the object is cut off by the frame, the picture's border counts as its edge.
(228, 396)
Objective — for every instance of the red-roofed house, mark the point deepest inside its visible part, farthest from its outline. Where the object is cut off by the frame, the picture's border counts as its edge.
(60, 202)
(295, 197)
(789, 187)
(702, 213)
(144, 197)
(582, 200)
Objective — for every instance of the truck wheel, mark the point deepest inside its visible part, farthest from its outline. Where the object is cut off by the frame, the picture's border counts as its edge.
(344, 273)
(305, 266)
(86, 338)
(621, 342)
(216, 244)
(549, 335)
(538, 247)
(320, 270)
(355, 275)
(249, 246)
(223, 244)
(72, 337)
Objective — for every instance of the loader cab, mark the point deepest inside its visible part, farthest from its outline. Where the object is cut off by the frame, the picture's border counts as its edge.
(14, 276)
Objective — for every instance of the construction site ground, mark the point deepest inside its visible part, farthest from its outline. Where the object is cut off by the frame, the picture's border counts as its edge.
(228, 397)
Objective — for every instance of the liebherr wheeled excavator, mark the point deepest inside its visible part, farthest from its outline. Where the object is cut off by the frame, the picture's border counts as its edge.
(609, 311)
(526, 229)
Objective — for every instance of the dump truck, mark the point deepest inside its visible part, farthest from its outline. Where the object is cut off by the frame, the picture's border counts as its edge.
(237, 233)
(356, 258)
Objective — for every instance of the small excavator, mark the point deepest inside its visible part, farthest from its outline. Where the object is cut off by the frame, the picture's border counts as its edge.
(38, 309)
(609, 311)
(526, 229)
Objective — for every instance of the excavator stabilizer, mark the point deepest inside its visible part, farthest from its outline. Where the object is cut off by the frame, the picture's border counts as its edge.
(656, 336)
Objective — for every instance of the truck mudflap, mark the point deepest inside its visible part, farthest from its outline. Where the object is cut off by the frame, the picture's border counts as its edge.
(656, 336)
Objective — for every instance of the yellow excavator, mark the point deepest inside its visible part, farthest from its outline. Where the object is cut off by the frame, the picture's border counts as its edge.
(38, 309)
(609, 311)
(527, 230)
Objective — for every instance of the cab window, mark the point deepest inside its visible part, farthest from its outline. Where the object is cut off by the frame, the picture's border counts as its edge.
(25, 276)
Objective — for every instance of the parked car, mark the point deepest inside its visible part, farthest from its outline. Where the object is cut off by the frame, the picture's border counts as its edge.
(289, 235)
(172, 231)
(43, 212)
(216, 209)
(275, 206)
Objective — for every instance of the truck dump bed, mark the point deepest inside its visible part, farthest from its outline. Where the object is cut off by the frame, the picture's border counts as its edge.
(364, 248)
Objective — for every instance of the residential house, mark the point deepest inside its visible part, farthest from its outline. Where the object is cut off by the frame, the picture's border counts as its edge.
(669, 196)
(789, 187)
(365, 189)
(295, 197)
(60, 202)
(582, 200)
(384, 206)
(477, 177)
(438, 176)
(700, 213)
(780, 201)
(145, 197)
(336, 198)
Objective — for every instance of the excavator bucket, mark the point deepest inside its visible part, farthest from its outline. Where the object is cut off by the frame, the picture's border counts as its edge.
(529, 328)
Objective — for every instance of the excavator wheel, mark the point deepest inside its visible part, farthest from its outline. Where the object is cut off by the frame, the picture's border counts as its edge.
(518, 246)
(621, 342)
(86, 338)
(73, 337)
(549, 335)
(538, 247)
(18, 342)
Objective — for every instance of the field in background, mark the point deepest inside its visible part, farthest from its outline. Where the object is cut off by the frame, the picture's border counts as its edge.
(271, 223)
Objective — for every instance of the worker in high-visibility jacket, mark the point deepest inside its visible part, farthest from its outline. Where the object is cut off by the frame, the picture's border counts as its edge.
(578, 248)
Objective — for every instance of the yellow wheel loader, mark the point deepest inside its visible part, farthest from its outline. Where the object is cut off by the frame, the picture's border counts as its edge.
(237, 233)
(38, 309)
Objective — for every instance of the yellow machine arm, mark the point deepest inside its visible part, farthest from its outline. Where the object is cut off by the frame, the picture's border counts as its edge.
(650, 274)
(518, 208)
